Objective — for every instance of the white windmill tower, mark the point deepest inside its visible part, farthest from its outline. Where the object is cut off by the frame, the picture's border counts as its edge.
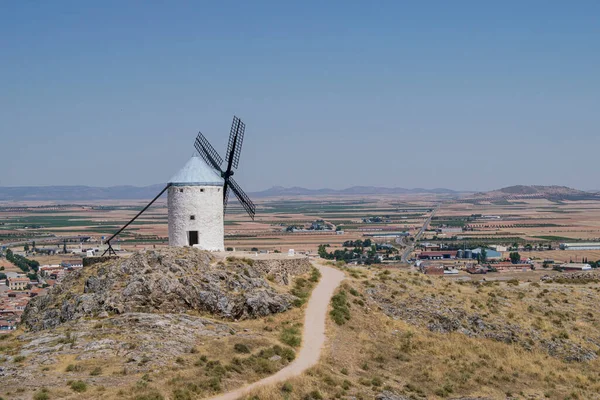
(195, 203)
(198, 194)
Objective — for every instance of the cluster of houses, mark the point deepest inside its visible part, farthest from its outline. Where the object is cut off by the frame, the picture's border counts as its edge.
(15, 293)
(17, 290)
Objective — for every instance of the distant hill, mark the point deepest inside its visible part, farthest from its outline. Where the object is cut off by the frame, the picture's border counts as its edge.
(354, 190)
(88, 193)
(536, 191)
(78, 193)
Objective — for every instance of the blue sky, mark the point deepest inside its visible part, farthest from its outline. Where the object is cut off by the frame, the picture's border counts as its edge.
(463, 94)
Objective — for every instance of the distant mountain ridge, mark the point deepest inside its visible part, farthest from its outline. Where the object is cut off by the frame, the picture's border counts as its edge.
(89, 193)
(533, 190)
(78, 193)
(354, 190)
(536, 191)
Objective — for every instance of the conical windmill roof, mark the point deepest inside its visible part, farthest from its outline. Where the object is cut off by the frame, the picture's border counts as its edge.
(196, 172)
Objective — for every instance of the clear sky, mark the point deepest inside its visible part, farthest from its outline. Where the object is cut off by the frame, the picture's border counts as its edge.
(460, 94)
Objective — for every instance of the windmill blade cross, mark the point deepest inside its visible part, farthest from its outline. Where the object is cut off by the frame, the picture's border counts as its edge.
(207, 152)
(236, 138)
(243, 198)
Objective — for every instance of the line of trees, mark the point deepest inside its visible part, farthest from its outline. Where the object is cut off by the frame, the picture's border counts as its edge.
(358, 243)
(349, 255)
(23, 263)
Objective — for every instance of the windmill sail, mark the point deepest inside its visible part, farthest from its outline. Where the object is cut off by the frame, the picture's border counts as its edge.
(243, 198)
(236, 138)
(207, 152)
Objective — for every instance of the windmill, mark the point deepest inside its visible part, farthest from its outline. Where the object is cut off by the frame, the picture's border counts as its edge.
(234, 150)
(196, 204)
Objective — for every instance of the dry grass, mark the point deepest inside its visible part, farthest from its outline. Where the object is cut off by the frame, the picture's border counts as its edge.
(373, 352)
(213, 365)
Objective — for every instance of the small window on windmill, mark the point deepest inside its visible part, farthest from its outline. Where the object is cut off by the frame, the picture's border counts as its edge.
(180, 190)
(202, 190)
(192, 217)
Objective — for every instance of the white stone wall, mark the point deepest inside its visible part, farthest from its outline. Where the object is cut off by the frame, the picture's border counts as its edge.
(206, 204)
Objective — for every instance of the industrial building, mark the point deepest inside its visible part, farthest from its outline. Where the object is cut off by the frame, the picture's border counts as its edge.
(580, 246)
(576, 267)
(437, 255)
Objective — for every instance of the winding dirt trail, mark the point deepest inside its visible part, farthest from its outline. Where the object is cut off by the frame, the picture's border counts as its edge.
(313, 335)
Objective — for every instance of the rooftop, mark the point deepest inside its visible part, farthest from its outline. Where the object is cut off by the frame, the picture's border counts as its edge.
(196, 172)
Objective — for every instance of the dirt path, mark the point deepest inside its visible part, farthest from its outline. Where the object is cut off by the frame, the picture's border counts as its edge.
(313, 335)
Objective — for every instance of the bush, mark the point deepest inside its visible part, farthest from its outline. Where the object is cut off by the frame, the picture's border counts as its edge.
(314, 395)
(182, 394)
(376, 381)
(315, 275)
(340, 313)
(73, 368)
(154, 395)
(287, 387)
(19, 359)
(291, 336)
(241, 348)
(96, 371)
(78, 386)
(41, 395)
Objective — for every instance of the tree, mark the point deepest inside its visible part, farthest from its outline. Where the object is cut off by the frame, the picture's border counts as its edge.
(26, 248)
(515, 257)
(483, 257)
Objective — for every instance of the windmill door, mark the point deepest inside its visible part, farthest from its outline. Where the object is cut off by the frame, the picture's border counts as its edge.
(192, 237)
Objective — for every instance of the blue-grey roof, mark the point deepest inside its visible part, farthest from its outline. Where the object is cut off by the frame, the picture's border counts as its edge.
(196, 172)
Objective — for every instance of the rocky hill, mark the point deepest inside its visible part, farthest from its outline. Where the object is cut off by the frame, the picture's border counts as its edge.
(171, 280)
(159, 325)
(534, 191)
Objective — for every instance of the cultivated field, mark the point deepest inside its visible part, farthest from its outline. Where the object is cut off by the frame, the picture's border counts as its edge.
(542, 223)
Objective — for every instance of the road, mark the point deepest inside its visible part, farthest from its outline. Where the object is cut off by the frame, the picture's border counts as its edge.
(411, 245)
(313, 335)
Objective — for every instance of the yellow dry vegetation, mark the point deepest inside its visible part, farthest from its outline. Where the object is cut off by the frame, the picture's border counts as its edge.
(374, 352)
(255, 349)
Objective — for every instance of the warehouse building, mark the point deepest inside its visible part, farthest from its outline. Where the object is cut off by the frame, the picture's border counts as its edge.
(580, 246)
(576, 267)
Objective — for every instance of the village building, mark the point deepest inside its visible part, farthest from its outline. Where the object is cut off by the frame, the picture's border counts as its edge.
(17, 283)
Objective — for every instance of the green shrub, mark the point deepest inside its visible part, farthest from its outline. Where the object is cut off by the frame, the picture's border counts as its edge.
(315, 275)
(19, 359)
(96, 371)
(340, 312)
(314, 395)
(153, 395)
(291, 336)
(78, 386)
(287, 387)
(182, 394)
(241, 348)
(42, 394)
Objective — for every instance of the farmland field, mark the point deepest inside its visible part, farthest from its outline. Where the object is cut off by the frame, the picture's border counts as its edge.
(283, 223)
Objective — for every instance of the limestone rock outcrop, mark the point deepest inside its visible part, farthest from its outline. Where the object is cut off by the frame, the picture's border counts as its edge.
(171, 280)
